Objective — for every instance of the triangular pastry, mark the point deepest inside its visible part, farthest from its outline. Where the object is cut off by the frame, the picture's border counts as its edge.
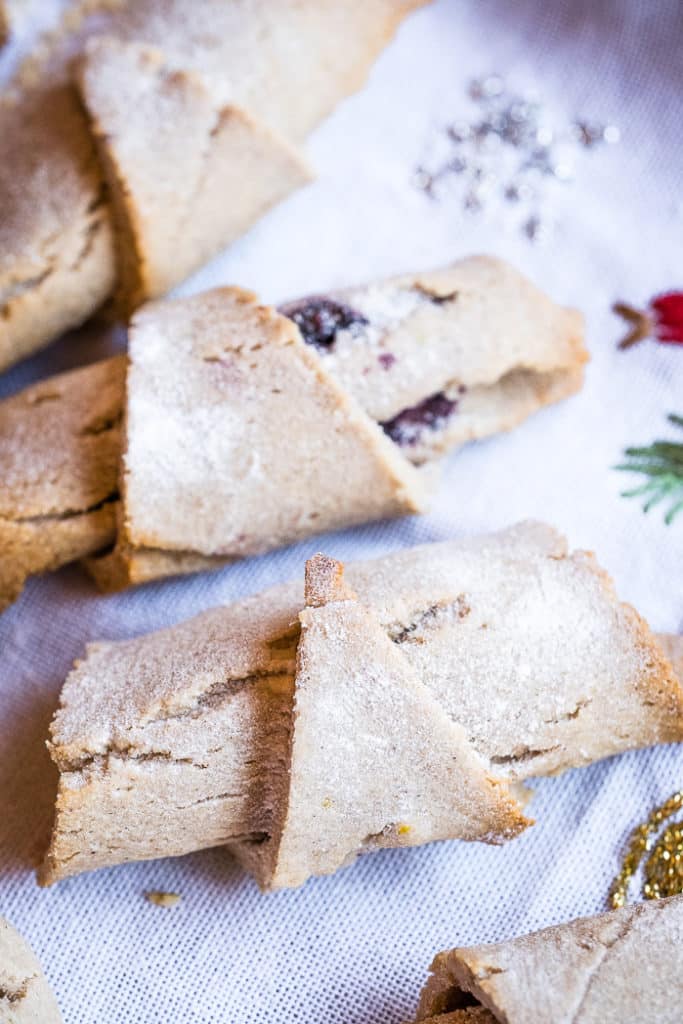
(375, 761)
(187, 174)
(25, 996)
(621, 966)
(237, 441)
(196, 724)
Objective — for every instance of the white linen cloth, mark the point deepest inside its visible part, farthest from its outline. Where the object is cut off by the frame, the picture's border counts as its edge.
(354, 948)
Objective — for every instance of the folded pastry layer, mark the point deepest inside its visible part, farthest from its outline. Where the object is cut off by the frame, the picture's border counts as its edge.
(621, 966)
(124, 565)
(373, 759)
(60, 443)
(549, 338)
(25, 996)
(179, 466)
(268, 728)
(443, 357)
(236, 438)
(282, 62)
(280, 69)
(187, 173)
(56, 239)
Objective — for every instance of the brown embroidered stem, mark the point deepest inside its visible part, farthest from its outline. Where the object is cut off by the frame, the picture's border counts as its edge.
(642, 325)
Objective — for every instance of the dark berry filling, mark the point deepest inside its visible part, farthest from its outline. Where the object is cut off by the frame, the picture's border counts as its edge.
(320, 319)
(407, 427)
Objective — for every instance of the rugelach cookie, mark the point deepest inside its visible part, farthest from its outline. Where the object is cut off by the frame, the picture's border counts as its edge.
(148, 134)
(239, 437)
(621, 966)
(305, 725)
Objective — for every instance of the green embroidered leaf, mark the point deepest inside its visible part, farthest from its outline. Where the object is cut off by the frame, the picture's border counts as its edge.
(662, 464)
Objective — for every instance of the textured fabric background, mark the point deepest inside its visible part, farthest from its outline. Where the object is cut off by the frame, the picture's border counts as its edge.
(355, 947)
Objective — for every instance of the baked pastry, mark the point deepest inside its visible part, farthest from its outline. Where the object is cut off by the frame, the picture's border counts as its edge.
(25, 996)
(287, 65)
(187, 173)
(621, 966)
(279, 67)
(400, 366)
(56, 239)
(237, 440)
(60, 444)
(239, 727)
(259, 445)
(374, 760)
(447, 356)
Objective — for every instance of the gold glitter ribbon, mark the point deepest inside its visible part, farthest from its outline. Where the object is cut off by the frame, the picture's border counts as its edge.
(663, 872)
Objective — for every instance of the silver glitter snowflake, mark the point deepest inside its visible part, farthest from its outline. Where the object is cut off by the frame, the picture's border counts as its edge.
(507, 151)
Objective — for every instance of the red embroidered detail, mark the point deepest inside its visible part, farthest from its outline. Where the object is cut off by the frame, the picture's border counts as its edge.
(668, 316)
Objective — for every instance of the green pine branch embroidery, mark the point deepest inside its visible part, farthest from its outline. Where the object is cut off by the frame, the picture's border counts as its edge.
(662, 464)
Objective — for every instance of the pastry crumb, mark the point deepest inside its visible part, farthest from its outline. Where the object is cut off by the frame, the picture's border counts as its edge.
(163, 899)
